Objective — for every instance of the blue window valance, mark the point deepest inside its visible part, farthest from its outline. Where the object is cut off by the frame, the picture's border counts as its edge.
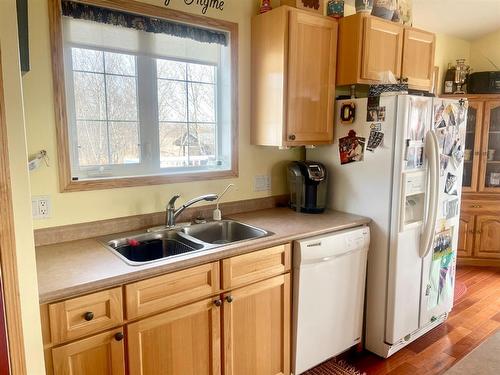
(143, 23)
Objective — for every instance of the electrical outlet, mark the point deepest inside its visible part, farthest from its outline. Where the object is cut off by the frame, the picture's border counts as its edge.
(262, 183)
(40, 207)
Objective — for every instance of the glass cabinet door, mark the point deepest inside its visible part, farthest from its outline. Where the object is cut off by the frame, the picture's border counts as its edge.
(472, 146)
(490, 156)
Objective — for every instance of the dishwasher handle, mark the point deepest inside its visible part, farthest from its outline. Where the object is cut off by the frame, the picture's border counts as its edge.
(332, 257)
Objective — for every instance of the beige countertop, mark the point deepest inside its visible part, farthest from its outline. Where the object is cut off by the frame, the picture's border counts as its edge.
(72, 268)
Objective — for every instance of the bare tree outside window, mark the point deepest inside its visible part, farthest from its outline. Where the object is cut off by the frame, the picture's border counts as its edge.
(187, 113)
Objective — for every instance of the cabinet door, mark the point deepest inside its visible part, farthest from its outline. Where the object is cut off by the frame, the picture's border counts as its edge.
(418, 58)
(487, 236)
(382, 48)
(257, 328)
(466, 235)
(101, 354)
(183, 341)
(472, 146)
(311, 79)
(490, 151)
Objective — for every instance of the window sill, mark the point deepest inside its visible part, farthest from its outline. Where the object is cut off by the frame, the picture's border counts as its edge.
(123, 182)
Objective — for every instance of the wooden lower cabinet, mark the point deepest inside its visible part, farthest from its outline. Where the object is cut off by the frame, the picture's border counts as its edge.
(184, 341)
(243, 331)
(466, 235)
(102, 354)
(257, 328)
(487, 236)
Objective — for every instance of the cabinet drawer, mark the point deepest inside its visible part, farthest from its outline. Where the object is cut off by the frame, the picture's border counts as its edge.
(85, 315)
(481, 206)
(162, 292)
(259, 265)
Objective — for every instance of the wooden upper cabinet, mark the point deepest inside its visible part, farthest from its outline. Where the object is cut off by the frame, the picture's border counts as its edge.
(370, 46)
(101, 354)
(466, 235)
(418, 58)
(382, 48)
(311, 79)
(487, 236)
(184, 341)
(257, 328)
(293, 78)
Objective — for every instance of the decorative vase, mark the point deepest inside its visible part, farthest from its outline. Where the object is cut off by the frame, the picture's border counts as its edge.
(364, 6)
(384, 9)
(335, 8)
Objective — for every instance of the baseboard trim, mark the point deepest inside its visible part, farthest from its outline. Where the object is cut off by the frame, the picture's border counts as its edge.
(73, 232)
(478, 262)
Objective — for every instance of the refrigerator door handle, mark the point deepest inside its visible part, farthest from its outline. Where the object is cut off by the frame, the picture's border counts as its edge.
(432, 154)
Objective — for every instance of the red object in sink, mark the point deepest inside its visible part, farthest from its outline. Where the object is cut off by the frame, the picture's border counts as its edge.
(133, 242)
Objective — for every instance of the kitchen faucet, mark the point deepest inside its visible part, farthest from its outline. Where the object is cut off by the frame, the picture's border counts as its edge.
(172, 213)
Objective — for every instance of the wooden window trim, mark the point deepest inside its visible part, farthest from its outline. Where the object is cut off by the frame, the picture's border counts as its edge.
(66, 184)
(8, 254)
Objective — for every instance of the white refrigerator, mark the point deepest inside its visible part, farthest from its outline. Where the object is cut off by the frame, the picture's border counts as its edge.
(399, 160)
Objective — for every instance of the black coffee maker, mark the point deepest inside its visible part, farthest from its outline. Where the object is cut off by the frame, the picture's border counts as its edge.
(307, 182)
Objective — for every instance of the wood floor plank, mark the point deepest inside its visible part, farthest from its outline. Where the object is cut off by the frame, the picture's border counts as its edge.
(473, 319)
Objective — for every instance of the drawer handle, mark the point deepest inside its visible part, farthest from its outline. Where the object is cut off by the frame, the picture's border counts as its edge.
(218, 302)
(119, 336)
(476, 206)
(229, 299)
(88, 316)
(291, 137)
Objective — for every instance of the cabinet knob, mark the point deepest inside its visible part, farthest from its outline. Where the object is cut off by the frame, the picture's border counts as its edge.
(88, 316)
(476, 153)
(218, 302)
(291, 137)
(119, 336)
(229, 299)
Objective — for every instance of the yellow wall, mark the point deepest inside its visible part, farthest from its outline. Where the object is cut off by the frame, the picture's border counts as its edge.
(20, 189)
(448, 50)
(68, 208)
(484, 49)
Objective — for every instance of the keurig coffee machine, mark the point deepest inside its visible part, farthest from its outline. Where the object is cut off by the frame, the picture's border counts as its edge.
(307, 184)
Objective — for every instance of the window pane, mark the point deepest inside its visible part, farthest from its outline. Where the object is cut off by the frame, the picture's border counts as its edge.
(87, 60)
(201, 73)
(90, 103)
(171, 69)
(92, 143)
(119, 63)
(122, 98)
(124, 142)
(201, 102)
(172, 101)
(173, 145)
(205, 134)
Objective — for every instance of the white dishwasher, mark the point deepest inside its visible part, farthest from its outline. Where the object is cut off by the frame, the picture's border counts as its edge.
(328, 295)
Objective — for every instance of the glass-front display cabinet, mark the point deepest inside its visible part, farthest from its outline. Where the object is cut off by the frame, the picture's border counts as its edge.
(472, 152)
(490, 150)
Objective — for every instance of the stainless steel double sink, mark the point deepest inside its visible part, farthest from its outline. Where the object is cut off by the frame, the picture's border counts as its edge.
(146, 247)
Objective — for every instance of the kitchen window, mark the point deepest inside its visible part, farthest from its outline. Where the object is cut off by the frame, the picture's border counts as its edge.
(142, 107)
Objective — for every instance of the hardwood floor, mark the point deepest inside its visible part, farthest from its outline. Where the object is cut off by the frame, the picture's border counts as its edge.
(475, 317)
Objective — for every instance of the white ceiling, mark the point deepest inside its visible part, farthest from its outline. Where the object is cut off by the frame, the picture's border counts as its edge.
(465, 19)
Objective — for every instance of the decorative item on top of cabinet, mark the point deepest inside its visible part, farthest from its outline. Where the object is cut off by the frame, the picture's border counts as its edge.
(265, 6)
(384, 9)
(293, 78)
(311, 5)
(364, 6)
(335, 8)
